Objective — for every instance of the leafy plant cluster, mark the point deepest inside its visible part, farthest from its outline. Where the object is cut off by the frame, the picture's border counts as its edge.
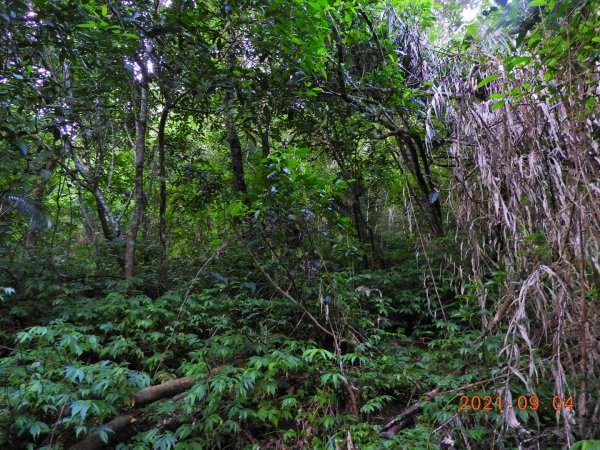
(69, 376)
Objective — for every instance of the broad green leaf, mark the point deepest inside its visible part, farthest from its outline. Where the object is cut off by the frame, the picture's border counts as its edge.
(295, 40)
(497, 105)
(487, 80)
(234, 209)
(103, 435)
(472, 30)
(512, 62)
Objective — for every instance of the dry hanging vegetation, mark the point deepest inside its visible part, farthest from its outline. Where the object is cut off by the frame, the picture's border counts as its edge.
(527, 190)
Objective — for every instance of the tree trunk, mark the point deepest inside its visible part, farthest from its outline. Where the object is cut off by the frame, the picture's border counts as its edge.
(103, 223)
(237, 163)
(265, 132)
(139, 152)
(167, 389)
(363, 228)
(162, 209)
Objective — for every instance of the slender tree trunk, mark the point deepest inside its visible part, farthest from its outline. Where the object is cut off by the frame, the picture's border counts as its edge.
(265, 132)
(363, 229)
(162, 209)
(237, 163)
(435, 206)
(101, 202)
(92, 186)
(139, 152)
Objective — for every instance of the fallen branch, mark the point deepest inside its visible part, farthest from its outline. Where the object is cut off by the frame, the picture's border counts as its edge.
(394, 425)
(169, 388)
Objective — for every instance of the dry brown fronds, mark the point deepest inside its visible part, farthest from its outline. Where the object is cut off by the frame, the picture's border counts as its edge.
(527, 190)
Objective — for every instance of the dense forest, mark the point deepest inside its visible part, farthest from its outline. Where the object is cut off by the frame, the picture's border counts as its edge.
(300, 224)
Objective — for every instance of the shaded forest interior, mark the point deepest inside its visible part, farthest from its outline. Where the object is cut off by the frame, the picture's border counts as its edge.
(300, 224)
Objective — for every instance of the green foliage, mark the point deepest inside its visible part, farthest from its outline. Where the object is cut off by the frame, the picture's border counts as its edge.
(81, 366)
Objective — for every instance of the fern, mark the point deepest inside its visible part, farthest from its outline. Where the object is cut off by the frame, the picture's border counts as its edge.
(27, 208)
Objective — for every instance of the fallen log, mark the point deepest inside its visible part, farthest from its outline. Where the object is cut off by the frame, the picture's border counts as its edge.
(171, 388)
(93, 441)
(153, 393)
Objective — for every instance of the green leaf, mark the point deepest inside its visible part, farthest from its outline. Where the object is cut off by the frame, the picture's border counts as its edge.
(234, 209)
(487, 80)
(538, 3)
(295, 40)
(512, 62)
(36, 428)
(131, 35)
(87, 25)
(104, 10)
(103, 435)
(497, 105)
(309, 354)
(165, 442)
(81, 408)
(472, 30)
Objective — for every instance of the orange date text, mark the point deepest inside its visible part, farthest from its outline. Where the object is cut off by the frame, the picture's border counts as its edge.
(497, 403)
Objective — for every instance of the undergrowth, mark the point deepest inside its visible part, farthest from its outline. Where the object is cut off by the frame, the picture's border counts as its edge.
(270, 382)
